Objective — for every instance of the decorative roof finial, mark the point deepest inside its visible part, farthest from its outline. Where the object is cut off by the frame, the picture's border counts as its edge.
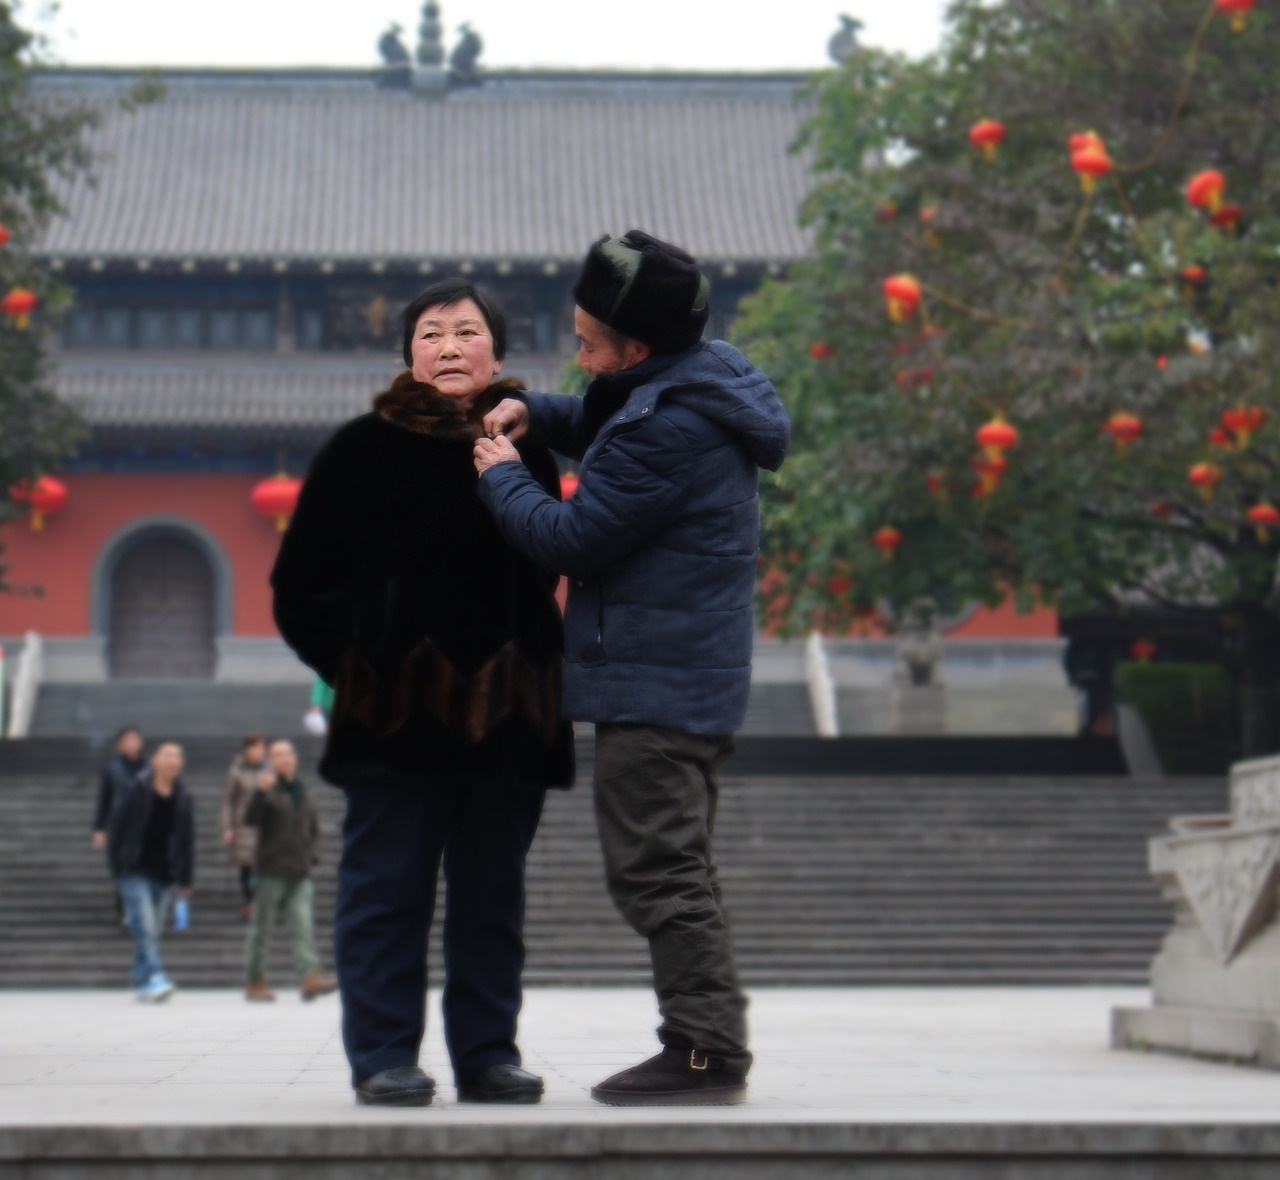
(463, 59)
(844, 42)
(431, 37)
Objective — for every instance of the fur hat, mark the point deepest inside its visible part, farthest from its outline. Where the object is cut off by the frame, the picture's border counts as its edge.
(646, 289)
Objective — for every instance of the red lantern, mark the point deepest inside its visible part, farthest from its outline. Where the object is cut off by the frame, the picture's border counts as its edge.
(1162, 508)
(1228, 217)
(887, 540)
(914, 378)
(839, 584)
(987, 134)
(1263, 516)
(821, 352)
(4, 236)
(568, 484)
(1221, 437)
(1192, 278)
(1206, 477)
(990, 469)
(1242, 421)
(1089, 158)
(1143, 650)
(1124, 428)
(935, 482)
(902, 297)
(18, 305)
(1236, 10)
(996, 437)
(886, 212)
(277, 497)
(44, 498)
(1205, 189)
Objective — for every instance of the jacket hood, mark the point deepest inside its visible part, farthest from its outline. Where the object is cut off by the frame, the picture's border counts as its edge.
(718, 382)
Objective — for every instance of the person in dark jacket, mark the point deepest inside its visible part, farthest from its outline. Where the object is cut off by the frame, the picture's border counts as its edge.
(124, 766)
(445, 650)
(660, 543)
(151, 851)
(283, 814)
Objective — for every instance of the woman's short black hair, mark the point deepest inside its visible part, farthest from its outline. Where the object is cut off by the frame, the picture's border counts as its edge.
(446, 293)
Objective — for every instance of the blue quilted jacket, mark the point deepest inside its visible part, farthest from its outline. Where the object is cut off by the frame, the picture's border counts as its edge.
(660, 541)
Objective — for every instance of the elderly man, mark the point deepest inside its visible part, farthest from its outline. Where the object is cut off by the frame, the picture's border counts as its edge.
(284, 815)
(660, 545)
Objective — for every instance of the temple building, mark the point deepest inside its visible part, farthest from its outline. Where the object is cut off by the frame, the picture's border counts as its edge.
(239, 257)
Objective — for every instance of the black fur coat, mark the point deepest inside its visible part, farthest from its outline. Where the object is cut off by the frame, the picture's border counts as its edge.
(394, 584)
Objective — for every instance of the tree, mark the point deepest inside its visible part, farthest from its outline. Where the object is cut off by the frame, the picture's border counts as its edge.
(1052, 296)
(40, 141)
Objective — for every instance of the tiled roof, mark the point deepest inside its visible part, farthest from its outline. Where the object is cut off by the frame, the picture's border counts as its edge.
(287, 166)
(289, 399)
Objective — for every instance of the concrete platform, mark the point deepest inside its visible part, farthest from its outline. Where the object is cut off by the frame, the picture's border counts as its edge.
(878, 1083)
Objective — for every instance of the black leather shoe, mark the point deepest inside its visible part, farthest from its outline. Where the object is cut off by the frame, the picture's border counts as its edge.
(502, 1083)
(406, 1085)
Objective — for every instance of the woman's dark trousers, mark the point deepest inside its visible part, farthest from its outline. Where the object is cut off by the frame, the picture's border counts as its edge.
(393, 841)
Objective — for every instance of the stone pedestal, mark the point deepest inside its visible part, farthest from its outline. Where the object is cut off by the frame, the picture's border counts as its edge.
(919, 709)
(1216, 980)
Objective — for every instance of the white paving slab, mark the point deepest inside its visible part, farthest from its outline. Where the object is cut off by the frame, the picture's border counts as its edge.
(900, 1056)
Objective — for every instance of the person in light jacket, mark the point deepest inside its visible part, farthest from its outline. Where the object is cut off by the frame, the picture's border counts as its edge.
(241, 839)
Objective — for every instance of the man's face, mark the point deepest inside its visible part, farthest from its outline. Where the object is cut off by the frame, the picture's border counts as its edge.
(598, 352)
(130, 745)
(284, 760)
(168, 761)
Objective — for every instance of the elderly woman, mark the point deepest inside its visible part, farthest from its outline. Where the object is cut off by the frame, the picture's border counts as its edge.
(445, 648)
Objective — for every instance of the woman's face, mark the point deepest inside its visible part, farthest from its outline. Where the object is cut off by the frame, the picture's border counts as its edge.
(452, 350)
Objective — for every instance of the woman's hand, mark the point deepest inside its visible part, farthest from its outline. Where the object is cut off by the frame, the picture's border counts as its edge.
(489, 452)
(509, 417)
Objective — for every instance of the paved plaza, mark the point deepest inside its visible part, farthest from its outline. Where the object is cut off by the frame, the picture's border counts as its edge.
(922, 1056)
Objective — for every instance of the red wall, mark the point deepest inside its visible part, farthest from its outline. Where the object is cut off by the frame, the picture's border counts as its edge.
(61, 558)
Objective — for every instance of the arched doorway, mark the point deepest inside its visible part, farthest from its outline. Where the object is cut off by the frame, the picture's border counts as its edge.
(162, 613)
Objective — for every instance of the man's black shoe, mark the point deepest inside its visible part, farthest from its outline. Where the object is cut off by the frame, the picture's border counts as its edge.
(406, 1085)
(502, 1083)
(675, 1077)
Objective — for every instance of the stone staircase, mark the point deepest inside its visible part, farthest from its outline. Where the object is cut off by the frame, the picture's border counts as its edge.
(831, 879)
(165, 707)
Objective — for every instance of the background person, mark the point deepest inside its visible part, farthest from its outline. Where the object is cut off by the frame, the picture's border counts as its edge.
(283, 814)
(151, 850)
(240, 838)
(661, 544)
(445, 649)
(125, 764)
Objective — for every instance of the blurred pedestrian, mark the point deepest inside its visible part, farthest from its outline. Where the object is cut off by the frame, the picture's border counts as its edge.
(151, 849)
(445, 648)
(284, 815)
(316, 719)
(124, 766)
(241, 839)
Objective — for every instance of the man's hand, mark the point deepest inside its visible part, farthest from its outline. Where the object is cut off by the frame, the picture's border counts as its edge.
(99, 839)
(266, 780)
(489, 452)
(510, 417)
(228, 836)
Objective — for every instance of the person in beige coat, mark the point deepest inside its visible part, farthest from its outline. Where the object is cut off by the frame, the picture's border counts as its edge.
(241, 839)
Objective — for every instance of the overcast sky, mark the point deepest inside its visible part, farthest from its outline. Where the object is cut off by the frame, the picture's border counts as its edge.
(665, 34)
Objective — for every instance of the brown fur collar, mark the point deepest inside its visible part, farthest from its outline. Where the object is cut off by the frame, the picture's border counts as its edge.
(416, 406)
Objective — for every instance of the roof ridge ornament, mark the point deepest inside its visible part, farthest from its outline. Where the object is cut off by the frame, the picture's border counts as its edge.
(430, 78)
(844, 41)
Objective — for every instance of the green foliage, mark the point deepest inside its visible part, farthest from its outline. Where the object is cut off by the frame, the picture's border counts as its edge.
(41, 143)
(1184, 707)
(1039, 303)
